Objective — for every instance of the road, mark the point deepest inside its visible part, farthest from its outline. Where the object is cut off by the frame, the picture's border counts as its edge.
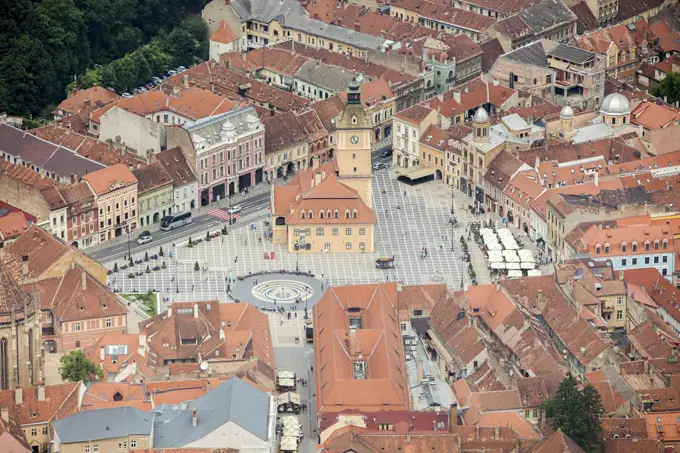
(161, 238)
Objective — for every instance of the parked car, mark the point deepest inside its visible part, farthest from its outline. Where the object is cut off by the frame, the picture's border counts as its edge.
(149, 86)
(141, 89)
(378, 166)
(386, 153)
(171, 73)
(181, 69)
(126, 95)
(144, 234)
(156, 80)
(144, 239)
(234, 209)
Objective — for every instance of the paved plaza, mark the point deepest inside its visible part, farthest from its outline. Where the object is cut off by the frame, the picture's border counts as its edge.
(406, 224)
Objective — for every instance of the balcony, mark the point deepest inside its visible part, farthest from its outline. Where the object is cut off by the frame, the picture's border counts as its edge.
(254, 45)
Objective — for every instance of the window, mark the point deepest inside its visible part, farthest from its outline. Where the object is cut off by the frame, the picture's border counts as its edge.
(527, 412)
(624, 262)
(664, 259)
(348, 231)
(597, 249)
(319, 231)
(403, 327)
(108, 322)
(95, 448)
(647, 245)
(619, 315)
(133, 444)
(34, 431)
(335, 231)
(362, 246)
(606, 248)
(362, 231)
(646, 260)
(535, 413)
(348, 245)
(78, 326)
(665, 243)
(619, 300)
(634, 261)
(656, 245)
(44, 430)
(87, 449)
(296, 232)
(635, 246)
(656, 260)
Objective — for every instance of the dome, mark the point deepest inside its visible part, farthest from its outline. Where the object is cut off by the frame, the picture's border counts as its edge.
(566, 112)
(228, 126)
(615, 104)
(480, 116)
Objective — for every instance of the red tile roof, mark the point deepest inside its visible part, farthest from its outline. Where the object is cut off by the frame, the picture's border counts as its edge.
(115, 176)
(12, 225)
(60, 401)
(473, 94)
(378, 344)
(223, 34)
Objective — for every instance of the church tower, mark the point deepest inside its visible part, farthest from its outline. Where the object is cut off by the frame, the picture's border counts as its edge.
(354, 146)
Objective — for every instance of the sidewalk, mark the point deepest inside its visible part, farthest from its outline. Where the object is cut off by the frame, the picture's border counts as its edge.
(198, 212)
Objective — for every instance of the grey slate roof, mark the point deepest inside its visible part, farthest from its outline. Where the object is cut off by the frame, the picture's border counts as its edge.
(41, 153)
(546, 15)
(293, 15)
(533, 54)
(571, 53)
(324, 75)
(232, 401)
(102, 424)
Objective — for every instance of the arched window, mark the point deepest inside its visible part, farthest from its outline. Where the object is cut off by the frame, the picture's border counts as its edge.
(656, 244)
(336, 214)
(665, 243)
(355, 214)
(311, 214)
(328, 214)
(597, 249)
(4, 365)
(647, 244)
(634, 246)
(347, 213)
(321, 214)
(624, 247)
(31, 359)
(303, 214)
(606, 248)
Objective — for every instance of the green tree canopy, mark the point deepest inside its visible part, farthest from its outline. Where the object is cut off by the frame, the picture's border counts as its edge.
(577, 412)
(46, 44)
(76, 367)
(668, 88)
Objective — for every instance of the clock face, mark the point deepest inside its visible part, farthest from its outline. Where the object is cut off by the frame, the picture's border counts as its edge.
(354, 139)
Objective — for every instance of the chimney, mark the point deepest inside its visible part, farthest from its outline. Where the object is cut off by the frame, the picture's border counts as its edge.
(195, 311)
(539, 298)
(83, 280)
(597, 176)
(41, 391)
(186, 80)
(621, 275)
(317, 178)
(221, 334)
(420, 371)
(456, 96)
(18, 395)
(315, 163)
(323, 174)
(4, 413)
(102, 353)
(24, 265)
(453, 414)
(194, 417)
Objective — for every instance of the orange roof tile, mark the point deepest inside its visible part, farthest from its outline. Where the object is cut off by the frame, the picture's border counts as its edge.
(12, 225)
(654, 116)
(95, 96)
(223, 34)
(110, 178)
(512, 420)
(60, 401)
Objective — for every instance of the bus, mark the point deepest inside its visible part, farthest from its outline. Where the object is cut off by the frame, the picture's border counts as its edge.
(175, 221)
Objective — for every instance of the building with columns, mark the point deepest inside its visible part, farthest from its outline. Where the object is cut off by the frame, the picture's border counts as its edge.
(20, 334)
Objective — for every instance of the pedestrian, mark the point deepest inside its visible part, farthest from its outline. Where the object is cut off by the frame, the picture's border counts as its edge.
(322, 287)
(282, 322)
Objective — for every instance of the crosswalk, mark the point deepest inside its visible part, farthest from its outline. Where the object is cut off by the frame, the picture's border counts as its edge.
(223, 215)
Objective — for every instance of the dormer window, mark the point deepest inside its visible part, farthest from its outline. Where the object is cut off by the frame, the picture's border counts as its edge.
(656, 245)
(311, 214)
(624, 247)
(355, 214)
(598, 249)
(336, 214)
(347, 214)
(606, 248)
(303, 214)
(665, 243)
(635, 246)
(647, 244)
(321, 214)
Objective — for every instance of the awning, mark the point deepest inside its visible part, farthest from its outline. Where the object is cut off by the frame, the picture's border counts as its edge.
(417, 172)
(497, 265)
(515, 274)
(534, 273)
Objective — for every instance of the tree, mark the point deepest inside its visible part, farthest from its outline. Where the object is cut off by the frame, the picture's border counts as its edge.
(160, 252)
(668, 88)
(207, 235)
(115, 267)
(76, 367)
(146, 256)
(197, 267)
(577, 413)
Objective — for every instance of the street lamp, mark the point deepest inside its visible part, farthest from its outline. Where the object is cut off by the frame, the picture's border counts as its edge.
(129, 235)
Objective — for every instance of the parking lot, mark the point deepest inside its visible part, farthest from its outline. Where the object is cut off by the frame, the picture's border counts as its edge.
(407, 226)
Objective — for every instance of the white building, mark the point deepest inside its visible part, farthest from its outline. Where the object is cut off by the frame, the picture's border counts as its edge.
(408, 125)
(185, 183)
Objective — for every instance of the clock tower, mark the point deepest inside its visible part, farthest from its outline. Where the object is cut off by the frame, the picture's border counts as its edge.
(354, 146)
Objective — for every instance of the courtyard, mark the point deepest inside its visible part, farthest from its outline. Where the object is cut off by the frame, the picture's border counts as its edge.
(411, 219)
